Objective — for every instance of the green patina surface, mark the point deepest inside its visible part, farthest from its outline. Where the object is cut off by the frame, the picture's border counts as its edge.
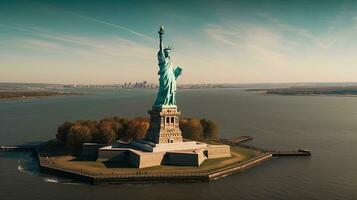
(168, 75)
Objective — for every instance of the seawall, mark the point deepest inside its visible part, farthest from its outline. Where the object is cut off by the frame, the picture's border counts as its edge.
(145, 178)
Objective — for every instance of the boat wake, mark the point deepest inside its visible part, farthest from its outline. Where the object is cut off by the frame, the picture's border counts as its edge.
(60, 181)
(30, 168)
(51, 180)
(23, 169)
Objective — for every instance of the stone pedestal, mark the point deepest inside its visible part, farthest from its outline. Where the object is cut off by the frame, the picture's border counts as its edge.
(164, 125)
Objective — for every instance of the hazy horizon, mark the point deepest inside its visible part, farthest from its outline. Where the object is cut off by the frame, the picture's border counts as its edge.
(217, 83)
(223, 42)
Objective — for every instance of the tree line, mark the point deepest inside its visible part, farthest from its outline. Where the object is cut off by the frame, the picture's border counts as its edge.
(108, 130)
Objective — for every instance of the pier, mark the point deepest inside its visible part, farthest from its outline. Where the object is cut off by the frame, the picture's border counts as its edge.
(236, 139)
(29, 147)
(14, 149)
(300, 152)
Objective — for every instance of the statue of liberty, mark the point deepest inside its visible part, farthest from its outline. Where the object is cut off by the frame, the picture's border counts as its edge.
(168, 75)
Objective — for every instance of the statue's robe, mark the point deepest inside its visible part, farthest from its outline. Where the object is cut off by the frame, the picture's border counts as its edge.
(168, 76)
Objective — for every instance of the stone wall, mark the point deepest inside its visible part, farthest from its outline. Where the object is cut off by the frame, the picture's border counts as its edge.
(140, 178)
(183, 159)
(181, 154)
(118, 155)
(91, 149)
(146, 159)
(218, 151)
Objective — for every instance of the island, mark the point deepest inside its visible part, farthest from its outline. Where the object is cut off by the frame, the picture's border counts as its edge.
(28, 94)
(75, 153)
(311, 91)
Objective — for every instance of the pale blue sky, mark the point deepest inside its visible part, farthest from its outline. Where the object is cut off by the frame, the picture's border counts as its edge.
(104, 42)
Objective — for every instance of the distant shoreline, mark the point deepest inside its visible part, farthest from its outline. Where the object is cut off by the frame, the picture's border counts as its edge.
(309, 91)
(17, 95)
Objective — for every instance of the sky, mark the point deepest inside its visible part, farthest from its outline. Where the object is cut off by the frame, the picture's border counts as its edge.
(110, 42)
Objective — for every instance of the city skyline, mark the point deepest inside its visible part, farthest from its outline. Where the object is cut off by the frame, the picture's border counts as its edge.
(81, 42)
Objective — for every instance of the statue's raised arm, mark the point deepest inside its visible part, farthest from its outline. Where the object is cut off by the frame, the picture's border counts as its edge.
(161, 32)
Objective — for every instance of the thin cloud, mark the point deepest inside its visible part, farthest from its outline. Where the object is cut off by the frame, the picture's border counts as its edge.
(74, 45)
(115, 26)
(222, 35)
(99, 21)
(39, 32)
(318, 40)
(42, 44)
(260, 43)
(16, 28)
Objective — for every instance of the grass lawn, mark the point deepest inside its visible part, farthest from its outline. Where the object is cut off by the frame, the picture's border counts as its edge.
(100, 167)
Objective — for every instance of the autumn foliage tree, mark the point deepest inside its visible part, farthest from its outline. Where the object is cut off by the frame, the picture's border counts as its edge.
(191, 128)
(62, 131)
(105, 133)
(210, 129)
(108, 130)
(77, 135)
(137, 128)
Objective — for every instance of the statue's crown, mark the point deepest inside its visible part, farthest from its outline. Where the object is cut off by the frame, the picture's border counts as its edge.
(168, 48)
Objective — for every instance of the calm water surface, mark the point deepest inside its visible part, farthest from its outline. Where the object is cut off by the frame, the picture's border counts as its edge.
(326, 125)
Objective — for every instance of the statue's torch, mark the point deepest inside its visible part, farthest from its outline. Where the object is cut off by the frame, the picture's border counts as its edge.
(161, 31)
